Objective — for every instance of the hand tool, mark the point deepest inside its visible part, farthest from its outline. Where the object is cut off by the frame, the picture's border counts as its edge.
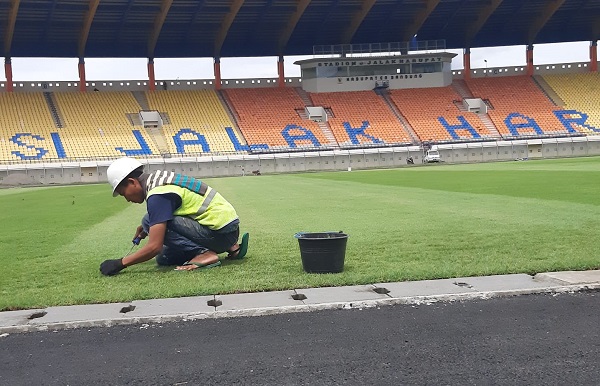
(135, 242)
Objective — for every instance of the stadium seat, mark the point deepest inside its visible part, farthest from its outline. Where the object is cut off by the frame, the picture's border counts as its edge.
(578, 92)
(429, 109)
(201, 113)
(519, 106)
(266, 113)
(26, 128)
(361, 109)
(96, 125)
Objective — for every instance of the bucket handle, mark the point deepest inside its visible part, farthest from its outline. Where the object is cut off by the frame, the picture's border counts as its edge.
(300, 234)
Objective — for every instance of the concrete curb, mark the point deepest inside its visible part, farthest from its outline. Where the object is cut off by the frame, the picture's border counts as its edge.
(21, 321)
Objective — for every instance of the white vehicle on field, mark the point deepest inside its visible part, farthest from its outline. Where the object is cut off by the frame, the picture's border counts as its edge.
(432, 156)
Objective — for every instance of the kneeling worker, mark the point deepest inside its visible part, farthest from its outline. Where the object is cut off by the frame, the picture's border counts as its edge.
(188, 223)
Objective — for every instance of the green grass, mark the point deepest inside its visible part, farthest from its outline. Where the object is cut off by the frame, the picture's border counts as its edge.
(404, 224)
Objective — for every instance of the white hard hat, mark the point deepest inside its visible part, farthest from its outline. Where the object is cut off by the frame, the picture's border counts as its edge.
(118, 170)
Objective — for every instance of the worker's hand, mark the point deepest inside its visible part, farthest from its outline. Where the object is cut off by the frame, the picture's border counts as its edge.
(111, 267)
(139, 233)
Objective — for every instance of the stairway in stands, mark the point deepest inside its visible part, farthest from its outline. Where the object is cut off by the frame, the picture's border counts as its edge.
(324, 126)
(159, 140)
(384, 93)
(54, 110)
(232, 114)
(157, 135)
(142, 99)
(462, 89)
(548, 91)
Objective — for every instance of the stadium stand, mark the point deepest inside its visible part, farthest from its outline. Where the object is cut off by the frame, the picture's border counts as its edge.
(70, 121)
(96, 125)
(197, 121)
(429, 109)
(26, 120)
(578, 92)
(362, 112)
(268, 116)
(517, 106)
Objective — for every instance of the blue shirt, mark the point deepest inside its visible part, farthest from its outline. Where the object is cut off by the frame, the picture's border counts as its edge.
(161, 207)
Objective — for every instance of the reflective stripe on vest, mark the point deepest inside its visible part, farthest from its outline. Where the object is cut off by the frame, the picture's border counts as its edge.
(207, 201)
(161, 179)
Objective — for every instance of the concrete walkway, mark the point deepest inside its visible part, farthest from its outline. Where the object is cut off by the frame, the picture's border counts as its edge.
(299, 300)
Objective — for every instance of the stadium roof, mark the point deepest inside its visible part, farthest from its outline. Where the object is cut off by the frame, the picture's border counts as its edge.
(235, 28)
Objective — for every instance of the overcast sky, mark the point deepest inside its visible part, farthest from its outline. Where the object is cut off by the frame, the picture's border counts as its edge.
(46, 69)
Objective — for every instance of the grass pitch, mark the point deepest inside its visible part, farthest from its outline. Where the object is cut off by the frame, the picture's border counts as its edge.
(413, 223)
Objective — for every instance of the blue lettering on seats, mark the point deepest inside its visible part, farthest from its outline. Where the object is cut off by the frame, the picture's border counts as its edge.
(566, 117)
(238, 146)
(306, 135)
(40, 151)
(354, 132)
(180, 143)
(143, 150)
(464, 125)
(529, 123)
(60, 150)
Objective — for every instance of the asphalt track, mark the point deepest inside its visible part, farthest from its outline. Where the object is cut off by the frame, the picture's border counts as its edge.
(538, 339)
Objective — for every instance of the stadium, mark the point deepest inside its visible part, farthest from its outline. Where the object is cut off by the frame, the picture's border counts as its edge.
(378, 93)
(342, 112)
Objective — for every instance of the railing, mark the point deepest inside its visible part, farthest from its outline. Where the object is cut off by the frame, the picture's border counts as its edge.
(588, 145)
(143, 85)
(541, 69)
(393, 48)
(324, 160)
(199, 84)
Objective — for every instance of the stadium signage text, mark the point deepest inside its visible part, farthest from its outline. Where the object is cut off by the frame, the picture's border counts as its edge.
(378, 62)
(379, 77)
(32, 146)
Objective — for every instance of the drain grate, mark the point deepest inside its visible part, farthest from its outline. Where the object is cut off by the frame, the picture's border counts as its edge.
(299, 297)
(37, 315)
(381, 290)
(127, 309)
(214, 303)
(463, 284)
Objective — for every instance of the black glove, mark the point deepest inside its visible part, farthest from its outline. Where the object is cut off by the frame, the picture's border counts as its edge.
(111, 267)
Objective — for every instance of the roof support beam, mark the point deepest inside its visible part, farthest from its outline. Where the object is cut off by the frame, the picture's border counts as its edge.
(10, 26)
(551, 7)
(227, 21)
(482, 18)
(158, 24)
(87, 24)
(357, 20)
(420, 18)
(285, 35)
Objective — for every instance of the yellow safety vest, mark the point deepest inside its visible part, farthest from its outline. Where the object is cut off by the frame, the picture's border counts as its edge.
(198, 200)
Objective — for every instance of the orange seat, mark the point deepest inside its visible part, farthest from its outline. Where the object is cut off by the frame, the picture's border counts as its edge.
(361, 110)
(423, 108)
(265, 112)
(517, 94)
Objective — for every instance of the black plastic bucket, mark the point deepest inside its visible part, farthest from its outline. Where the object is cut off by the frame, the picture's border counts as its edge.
(322, 252)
